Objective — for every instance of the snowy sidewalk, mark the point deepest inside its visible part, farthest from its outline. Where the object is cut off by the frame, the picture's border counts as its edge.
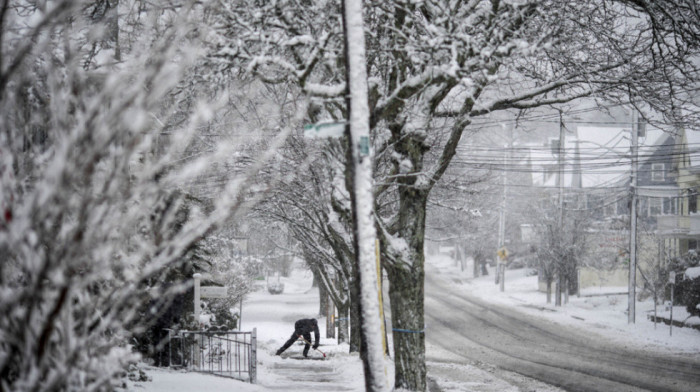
(274, 317)
(305, 375)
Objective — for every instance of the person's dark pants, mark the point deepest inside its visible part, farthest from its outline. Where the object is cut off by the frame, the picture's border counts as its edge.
(294, 338)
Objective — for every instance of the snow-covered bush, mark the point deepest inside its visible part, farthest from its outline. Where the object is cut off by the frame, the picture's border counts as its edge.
(93, 183)
(688, 294)
(686, 290)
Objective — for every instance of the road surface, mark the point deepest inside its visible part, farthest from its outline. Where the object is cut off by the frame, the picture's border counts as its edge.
(474, 333)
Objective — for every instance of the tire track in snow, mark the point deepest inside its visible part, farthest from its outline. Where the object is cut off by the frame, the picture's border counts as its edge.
(542, 350)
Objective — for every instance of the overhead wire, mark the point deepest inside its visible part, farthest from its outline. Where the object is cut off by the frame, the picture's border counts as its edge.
(509, 160)
(586, 162)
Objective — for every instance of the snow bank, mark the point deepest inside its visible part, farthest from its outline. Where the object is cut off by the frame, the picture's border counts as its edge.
(692, 273)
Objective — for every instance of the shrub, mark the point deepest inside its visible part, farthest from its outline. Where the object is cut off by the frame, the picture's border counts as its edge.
(687, 293)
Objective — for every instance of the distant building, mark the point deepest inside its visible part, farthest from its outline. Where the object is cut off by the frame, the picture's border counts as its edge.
(596, 170)
(595, 174)
(681, 227)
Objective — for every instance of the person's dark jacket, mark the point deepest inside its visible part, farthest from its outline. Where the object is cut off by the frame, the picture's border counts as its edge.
(304, 327)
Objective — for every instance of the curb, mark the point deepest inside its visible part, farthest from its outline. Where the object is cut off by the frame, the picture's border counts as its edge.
(676, 323)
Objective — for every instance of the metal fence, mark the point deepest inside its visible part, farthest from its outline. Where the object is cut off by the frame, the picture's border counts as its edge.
(223, 353)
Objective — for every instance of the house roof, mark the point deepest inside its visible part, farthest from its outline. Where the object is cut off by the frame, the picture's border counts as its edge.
(693, 140)
(593, 157)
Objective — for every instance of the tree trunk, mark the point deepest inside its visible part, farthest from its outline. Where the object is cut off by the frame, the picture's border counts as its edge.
(330, 319)
(656, 300)
(113, 28)
(406, 293)
(557, 291)
(407, 317)
(549, 291)
(322, 296)
(355, 333)
(455, 253)
(343, 323)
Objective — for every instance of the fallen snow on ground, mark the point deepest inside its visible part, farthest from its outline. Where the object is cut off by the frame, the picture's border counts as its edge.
(606, 314)
(273, 317)
(167, 380)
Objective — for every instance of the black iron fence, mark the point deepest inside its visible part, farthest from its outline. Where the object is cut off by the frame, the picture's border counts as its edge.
(223, 353)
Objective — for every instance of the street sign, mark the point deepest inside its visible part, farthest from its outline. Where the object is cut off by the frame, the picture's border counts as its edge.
(364, 146)
(324, 130)
(502, 253)
(672, 277)
(213, 292)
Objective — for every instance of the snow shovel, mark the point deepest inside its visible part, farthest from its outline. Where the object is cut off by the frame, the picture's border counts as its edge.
(312, 346)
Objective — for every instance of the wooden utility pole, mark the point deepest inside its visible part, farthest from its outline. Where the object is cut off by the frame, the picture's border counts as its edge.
(633, 223)
(502, 258)
(502, 226)
(362, 198)
(560, 183)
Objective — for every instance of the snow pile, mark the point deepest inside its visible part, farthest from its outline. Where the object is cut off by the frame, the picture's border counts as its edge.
(692, 273)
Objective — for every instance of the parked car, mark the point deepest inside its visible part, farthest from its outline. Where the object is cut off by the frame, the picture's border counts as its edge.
(275, 288)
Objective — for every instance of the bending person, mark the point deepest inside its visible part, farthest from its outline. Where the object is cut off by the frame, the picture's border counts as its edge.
(303, 328)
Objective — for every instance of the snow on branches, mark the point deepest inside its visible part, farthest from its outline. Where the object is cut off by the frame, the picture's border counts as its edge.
(104, 191)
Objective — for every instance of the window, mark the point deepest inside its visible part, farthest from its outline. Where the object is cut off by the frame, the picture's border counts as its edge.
(658, 172)
(655, 206)
(669, 206)
(693, 202)
(644, 204)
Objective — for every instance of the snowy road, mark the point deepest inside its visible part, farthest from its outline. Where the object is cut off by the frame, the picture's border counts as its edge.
(474, 332)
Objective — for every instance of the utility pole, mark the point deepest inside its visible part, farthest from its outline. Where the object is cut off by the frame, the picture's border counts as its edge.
(362, 199)
(631, 296)
(502, 225)
(560, 182)
(502, 254)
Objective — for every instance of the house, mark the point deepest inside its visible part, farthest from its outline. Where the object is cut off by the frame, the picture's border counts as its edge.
(681, 227)
(595, 173)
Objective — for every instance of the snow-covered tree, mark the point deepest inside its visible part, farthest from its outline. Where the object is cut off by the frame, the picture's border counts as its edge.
(653, 266)
(459, 214)
(434, 66)
(95, 181)
(311, 200)
(561, 248)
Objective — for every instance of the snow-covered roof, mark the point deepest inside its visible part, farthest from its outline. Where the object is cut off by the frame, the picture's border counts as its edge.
(593, 157)
(693, 139)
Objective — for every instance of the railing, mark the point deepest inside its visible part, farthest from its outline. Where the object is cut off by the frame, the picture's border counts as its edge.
(680, 225)
(223, 353)
(673, 224)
